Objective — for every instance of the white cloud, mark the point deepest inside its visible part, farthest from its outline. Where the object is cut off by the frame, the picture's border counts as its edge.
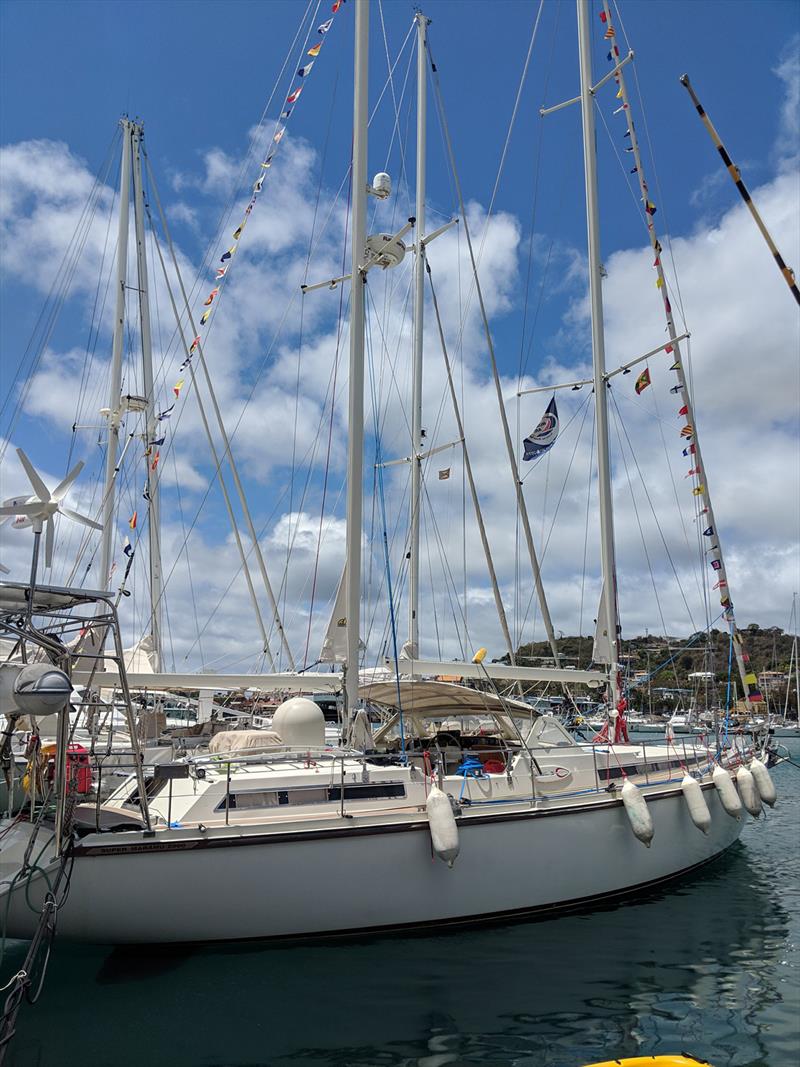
(744, 349)
(788, 70)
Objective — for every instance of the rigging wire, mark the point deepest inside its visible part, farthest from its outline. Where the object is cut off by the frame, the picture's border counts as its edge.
(339, 331)
(653, 510)
(653, 168)
(54, 302)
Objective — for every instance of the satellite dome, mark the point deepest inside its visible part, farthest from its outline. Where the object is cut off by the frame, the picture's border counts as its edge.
(300, 723)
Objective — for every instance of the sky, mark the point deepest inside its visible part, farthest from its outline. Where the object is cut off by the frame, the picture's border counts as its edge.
(207, 81)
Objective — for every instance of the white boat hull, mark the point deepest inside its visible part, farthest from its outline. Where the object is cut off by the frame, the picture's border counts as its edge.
(359, 875)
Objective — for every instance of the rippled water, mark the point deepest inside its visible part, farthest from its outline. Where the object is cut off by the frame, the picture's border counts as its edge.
(709, 966)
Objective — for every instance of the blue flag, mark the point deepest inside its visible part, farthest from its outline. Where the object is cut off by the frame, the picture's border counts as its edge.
(544, 436)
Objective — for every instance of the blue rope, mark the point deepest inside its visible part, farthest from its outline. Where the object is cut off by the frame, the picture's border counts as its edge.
(700, 633)
(728, 690)
(392, 620)
(470, 767)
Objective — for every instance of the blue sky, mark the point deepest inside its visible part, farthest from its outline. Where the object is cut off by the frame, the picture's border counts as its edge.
(199, 74)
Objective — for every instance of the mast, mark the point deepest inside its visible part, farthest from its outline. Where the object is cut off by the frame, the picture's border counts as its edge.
(355, 407)
(151, 422)
(704, 510)
(112, 440)
(419, 311)
(608, 602)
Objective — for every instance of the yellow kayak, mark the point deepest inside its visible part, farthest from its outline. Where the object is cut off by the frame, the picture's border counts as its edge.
(653, 1061)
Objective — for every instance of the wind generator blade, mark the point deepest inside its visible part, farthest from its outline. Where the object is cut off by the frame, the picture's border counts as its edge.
(81, 518)
(61, 489)
(39, 487)
(49, 538)
(29, 510)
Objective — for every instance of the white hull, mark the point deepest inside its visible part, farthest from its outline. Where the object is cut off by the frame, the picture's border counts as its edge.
(371, 873)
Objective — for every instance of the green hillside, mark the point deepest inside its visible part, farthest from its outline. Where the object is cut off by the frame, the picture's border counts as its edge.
(674, 659)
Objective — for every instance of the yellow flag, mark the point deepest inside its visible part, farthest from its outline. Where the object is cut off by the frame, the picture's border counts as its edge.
(619, 93)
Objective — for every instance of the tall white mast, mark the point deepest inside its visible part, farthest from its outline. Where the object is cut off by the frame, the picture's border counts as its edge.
(112, 441)
(608, 602)
(355, 408)
(151, 422)
(419, 312)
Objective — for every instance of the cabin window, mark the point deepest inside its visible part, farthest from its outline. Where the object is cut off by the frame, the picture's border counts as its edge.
(275, 798)
(152, 787)
(367, 792)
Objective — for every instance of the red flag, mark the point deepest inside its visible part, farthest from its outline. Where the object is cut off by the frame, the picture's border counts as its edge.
(668, 348)
(603, 16)
(684, 410)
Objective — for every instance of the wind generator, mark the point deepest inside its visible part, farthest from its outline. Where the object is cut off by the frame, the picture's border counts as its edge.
(39, 510)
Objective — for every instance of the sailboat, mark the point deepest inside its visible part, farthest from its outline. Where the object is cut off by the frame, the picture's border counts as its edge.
(465, 805)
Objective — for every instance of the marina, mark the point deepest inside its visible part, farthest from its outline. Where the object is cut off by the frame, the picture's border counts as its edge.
(287, 721)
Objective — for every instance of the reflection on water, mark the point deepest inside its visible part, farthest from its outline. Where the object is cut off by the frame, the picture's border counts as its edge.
(707, 966)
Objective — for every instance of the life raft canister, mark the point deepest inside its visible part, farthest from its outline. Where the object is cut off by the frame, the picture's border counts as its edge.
(79, 770)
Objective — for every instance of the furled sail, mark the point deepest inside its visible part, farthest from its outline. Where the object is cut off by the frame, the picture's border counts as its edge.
(601, 649)
(334, 644)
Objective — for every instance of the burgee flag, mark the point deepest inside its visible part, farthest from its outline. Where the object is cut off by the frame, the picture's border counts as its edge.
(543, 438)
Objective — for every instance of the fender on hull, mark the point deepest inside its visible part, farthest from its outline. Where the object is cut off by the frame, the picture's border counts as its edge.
(513, 867)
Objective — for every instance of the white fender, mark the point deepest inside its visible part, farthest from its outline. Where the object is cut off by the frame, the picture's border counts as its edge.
(764, 783)
(443, 826)
(748, 792)
(696, 803)
(638, 815)
(728, 796)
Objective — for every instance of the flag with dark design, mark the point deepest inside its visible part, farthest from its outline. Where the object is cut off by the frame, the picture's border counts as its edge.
(544, 436)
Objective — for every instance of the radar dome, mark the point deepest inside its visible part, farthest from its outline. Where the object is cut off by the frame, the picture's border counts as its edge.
(300, 723)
